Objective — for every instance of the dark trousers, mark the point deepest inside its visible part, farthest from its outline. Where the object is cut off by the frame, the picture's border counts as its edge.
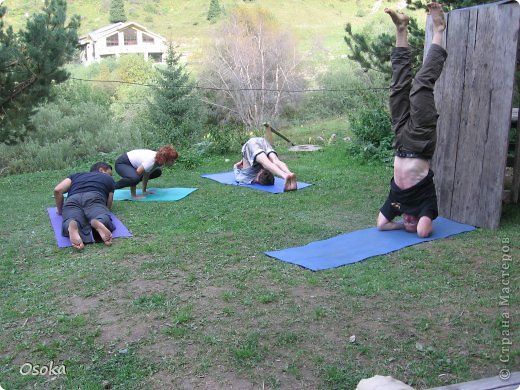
(83, 208)
(412, 103)
(128, 173)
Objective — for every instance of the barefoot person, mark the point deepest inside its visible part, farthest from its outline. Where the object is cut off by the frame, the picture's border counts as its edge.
(88, 203)
(259, 163)
(414, 121)
(142, 165)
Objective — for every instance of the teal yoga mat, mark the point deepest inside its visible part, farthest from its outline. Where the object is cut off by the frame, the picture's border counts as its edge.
(160, 194)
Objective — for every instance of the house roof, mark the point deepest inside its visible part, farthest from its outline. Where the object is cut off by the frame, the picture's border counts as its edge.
(112, 28)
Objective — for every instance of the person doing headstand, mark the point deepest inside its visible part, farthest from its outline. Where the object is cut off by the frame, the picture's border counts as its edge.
(414, 122)
(259, 163)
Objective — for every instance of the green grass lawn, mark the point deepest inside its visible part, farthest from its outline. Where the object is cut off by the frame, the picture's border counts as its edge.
(191, 301)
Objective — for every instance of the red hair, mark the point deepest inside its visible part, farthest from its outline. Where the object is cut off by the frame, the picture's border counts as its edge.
(166, 154)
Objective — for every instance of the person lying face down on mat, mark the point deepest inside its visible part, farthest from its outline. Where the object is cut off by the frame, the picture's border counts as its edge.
(87, 205)
(142, 165)
(414, 121)
(259, 163)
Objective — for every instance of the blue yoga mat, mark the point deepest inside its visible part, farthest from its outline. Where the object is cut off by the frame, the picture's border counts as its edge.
(160, 194)
(229, 178)
(64, 242)
(355, 246)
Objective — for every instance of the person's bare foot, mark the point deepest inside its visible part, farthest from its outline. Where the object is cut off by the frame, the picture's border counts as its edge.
(400, 20)
(290, 183)
(294, 183)
(104, 233)
(74, 237)
(437, 14)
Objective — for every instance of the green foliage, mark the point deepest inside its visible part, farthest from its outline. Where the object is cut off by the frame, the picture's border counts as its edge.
(343, 90)
(77, 126)
(372, 134)
(117, 11)
(374, 53)
(31, 60)
(222, 139)
(133, 68)
(174, 110)
(214, 11)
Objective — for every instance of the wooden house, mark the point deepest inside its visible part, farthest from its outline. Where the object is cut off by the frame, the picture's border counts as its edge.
(122, 38)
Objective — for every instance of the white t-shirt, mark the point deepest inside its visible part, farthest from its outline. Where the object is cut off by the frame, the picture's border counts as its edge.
(143, 157)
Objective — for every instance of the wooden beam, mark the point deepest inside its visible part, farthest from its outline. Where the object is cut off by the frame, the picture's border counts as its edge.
(493, 383)
(271, 130)
(515, 188)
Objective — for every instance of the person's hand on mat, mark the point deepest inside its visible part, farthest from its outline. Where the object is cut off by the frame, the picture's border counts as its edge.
(148, 192)
(138, 197)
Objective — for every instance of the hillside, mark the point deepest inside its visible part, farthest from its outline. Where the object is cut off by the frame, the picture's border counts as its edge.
(318, 25)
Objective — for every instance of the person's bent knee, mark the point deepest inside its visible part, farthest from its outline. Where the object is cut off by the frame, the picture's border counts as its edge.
(381, 222)
(133, 181)
(424, 232)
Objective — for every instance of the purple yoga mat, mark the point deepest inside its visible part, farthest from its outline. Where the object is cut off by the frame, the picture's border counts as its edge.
(64, 242)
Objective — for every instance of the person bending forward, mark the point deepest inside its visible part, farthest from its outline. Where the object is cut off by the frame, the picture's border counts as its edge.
(87, 207)
(142, 165)
(259, 163)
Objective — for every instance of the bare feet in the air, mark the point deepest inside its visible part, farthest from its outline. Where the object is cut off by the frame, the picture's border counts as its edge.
(437, 14)
(400, 20)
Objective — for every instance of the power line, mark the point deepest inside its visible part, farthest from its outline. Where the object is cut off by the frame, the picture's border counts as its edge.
(236, 89)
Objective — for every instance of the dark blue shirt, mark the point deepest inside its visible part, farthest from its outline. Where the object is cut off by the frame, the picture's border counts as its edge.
(98, 182)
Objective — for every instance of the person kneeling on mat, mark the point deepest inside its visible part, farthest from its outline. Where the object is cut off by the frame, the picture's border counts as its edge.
(87, 207)
(414, 121)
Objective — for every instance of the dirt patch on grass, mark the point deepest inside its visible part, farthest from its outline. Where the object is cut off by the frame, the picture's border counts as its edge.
(114, 313)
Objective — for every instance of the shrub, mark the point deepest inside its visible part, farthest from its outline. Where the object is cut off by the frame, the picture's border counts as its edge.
(343, 91)
(65, 134)
(225, 138)
(373, 135)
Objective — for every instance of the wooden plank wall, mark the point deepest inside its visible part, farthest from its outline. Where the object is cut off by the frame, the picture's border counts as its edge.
(474, 100)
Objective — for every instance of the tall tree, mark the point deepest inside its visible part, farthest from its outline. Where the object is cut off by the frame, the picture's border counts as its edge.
(172, 98)
(375, 53)
(214, 11)
(253, 66)
(117, 11)
(30, 61)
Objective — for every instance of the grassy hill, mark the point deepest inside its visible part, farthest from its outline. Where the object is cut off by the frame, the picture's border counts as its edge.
(318, 25)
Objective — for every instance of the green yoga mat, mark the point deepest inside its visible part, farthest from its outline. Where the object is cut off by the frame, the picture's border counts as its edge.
(159, 194)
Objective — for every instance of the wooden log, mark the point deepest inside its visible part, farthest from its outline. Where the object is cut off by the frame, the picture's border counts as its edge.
(493, 383)
(515, 188)
(473, 97)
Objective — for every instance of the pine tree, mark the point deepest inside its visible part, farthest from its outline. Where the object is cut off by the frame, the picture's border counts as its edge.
(172, 99)
(214, 10)
(375, 54)
(117, 11)
(31, 60)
